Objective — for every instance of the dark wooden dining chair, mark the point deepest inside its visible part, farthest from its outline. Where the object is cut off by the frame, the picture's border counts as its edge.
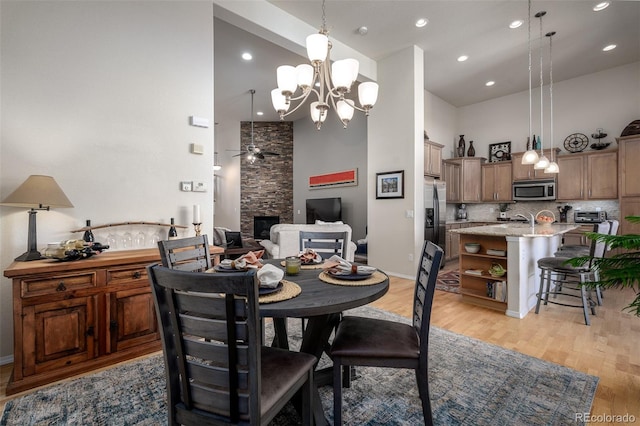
(186, 254)
(361, 341)
(326, 244)
(217, 371)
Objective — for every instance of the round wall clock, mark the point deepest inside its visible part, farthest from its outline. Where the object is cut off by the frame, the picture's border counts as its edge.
(576, 142)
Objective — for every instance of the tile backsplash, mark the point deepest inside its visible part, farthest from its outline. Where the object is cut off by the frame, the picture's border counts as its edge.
(491, 211)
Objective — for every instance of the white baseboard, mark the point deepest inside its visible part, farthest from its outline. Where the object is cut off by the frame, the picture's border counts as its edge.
(6, 360)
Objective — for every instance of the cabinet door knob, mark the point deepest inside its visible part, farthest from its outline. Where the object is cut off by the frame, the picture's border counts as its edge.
(61, 287)
(90, 331)
(113, 325)
(137, 274)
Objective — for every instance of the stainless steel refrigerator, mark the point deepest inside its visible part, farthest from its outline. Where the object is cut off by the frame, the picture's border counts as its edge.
(435, 203)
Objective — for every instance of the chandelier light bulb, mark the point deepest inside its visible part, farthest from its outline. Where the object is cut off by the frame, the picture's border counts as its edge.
(304, 74)
(318, 113)
(279, 101)
(317, 48)
(342, 74)
(287, 79)
(368, 94)
(345, 111)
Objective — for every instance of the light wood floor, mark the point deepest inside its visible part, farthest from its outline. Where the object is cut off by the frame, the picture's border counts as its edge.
(609, 348)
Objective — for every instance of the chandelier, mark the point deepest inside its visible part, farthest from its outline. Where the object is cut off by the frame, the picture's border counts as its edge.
(329, 82)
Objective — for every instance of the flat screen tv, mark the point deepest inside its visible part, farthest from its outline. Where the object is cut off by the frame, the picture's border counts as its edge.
(325, 209)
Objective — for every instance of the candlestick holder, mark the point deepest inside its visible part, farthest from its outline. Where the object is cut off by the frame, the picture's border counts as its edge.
(196, 226)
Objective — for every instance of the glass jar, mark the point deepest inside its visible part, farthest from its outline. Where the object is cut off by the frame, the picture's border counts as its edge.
(292, 265)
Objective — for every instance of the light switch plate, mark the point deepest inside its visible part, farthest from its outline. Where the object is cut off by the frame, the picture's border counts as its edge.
(197, 149)
(199, 186)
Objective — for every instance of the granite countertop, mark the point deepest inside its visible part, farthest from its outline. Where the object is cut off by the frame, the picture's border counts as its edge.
(518, 230)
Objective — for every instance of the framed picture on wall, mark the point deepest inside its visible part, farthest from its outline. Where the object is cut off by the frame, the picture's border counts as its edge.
(500, 151)
(390, 184)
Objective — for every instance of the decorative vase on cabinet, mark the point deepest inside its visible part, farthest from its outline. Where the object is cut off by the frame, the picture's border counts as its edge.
(472, 151)
(461, 146)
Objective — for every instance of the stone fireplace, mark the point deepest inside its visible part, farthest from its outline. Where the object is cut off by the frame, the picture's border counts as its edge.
(266, 186)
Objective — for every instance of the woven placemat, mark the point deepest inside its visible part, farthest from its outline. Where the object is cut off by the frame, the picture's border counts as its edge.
(289, 291)
(307, 266)
(376, 278)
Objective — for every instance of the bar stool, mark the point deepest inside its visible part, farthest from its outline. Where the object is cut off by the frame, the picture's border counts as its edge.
(568, 280)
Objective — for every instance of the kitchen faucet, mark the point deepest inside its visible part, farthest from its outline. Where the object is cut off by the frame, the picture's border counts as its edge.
(533, 220)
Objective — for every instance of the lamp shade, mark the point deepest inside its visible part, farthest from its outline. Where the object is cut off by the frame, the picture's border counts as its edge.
(38, 191)
(287, 79)
(317, 47)
(279, 101)
(530, 157)
(368, 94)
(305, 75)
(542, 163)
(345, 110)
(317, 114)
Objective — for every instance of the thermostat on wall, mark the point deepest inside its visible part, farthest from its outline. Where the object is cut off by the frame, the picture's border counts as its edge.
(197, 148)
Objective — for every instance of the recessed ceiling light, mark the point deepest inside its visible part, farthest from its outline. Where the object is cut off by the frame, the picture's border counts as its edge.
(422, 22)
(462, 58)
(515, 24)
(259, 113)
(601, 6)
(247, 56)
(609, 47)
(490, 83)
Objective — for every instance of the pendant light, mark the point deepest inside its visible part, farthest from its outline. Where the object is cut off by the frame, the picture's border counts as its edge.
(543, 162)
(553, 166)
(530, 156)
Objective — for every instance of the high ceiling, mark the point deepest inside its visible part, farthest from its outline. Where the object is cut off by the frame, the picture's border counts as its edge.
(479, 29)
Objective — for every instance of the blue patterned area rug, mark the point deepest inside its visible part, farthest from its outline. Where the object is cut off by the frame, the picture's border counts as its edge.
(471, 383)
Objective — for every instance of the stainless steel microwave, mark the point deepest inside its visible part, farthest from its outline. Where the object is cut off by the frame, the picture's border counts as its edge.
(534, 190)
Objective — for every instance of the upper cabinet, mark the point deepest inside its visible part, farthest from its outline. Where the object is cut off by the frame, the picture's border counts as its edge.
(629, 154)
(526, 171)
(464, 179)
(496, 181)
(588, 176)
(432, 159)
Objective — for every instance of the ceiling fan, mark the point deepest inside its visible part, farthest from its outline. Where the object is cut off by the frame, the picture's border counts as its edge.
(253, 152)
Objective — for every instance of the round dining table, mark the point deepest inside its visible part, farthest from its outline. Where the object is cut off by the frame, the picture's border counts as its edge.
(321, 304)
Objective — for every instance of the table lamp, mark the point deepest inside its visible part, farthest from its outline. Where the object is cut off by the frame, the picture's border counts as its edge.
(37, 193)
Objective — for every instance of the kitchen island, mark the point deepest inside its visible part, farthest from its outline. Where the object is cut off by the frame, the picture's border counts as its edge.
(516, 247)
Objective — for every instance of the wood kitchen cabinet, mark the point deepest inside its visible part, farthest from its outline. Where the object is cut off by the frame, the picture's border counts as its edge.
(497, 181)
(588, 176)
(629, 165)
(465, 180)
(73, 317)
(526, 171)
(452, 177)
(432, 159)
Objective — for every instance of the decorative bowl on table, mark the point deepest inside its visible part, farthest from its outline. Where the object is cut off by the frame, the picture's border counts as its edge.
(472, 247)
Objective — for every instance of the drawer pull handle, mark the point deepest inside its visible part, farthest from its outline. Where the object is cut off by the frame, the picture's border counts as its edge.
(137, 275)
(61, 287)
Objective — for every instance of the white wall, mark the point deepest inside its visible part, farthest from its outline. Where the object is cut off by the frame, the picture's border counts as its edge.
(332, 149)
(608, 99)
(227, 180)
(98, 95)
(396, 142)
(440, 122)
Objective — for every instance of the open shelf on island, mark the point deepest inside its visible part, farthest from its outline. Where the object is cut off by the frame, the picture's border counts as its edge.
(476, 284)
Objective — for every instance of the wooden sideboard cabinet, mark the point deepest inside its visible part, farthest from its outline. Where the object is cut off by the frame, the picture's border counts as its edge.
(73, 317)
